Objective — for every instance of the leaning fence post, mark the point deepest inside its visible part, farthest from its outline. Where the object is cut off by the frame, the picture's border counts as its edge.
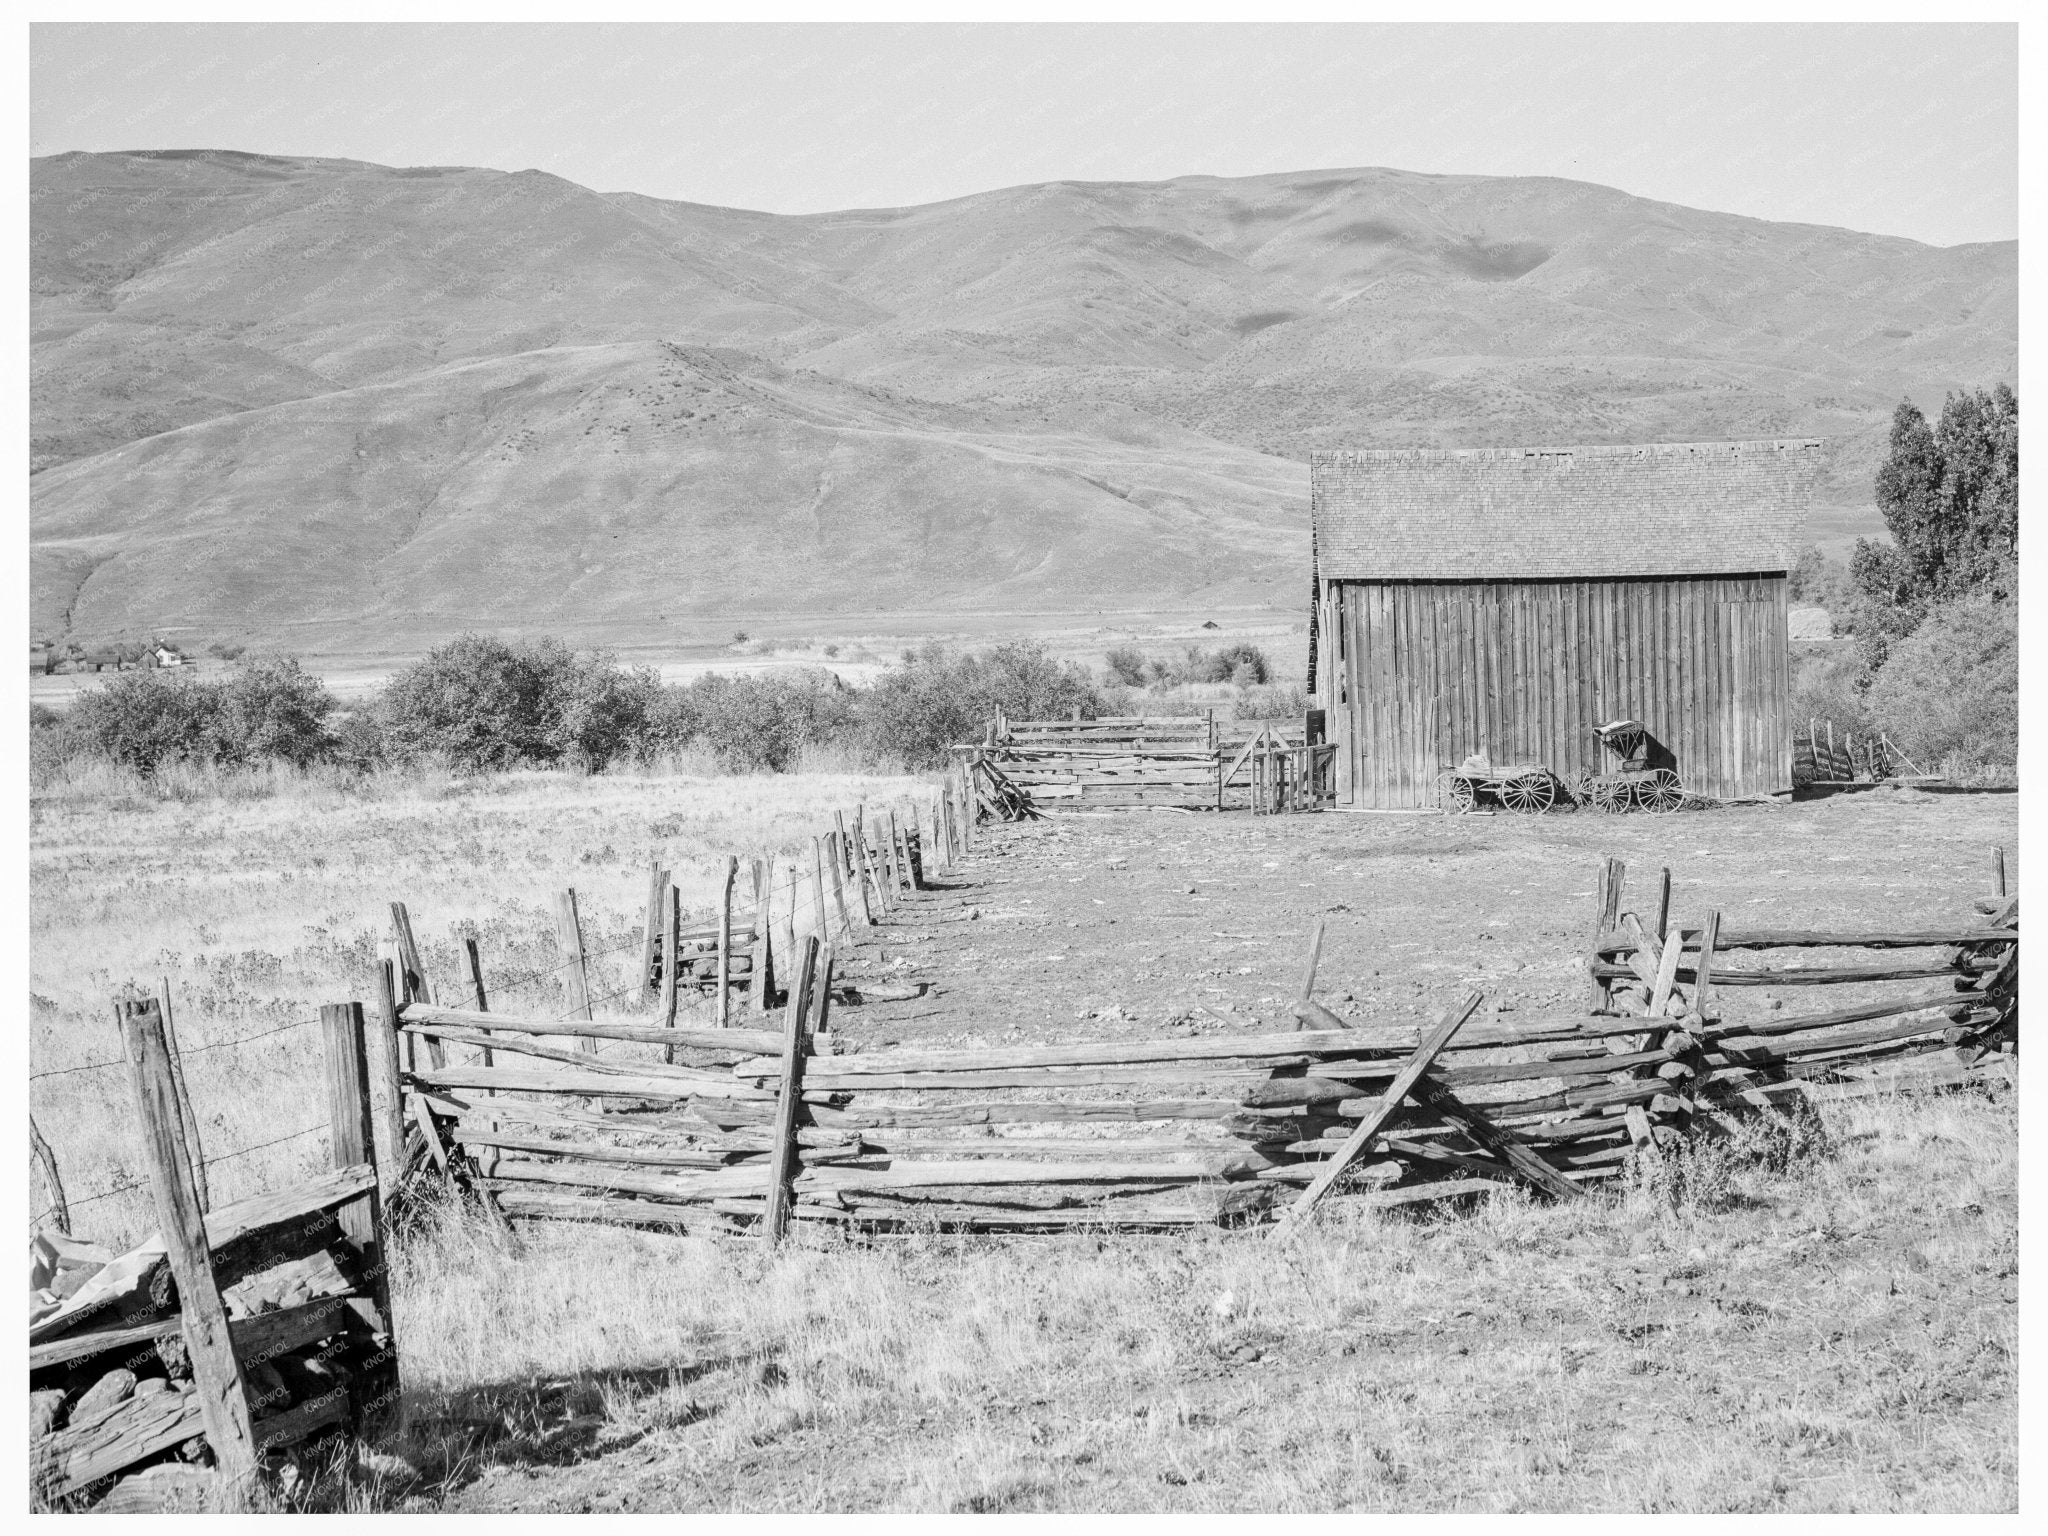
(383, 1059)
(1998, 870)
(187, 1120)
(352, 1138)
(818, 912)
(864, 877)
(782, 1145)
(216, 1373)
(835, 847)
(412, 974)
(59, 1208)
(1308, 979)
(575, 969)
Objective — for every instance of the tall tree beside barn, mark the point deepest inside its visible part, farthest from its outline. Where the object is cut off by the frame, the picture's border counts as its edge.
(1950, 496)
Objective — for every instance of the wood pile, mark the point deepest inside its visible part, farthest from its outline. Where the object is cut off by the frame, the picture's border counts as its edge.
(228, 1336)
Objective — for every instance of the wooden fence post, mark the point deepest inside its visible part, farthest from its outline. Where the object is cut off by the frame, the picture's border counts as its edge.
(40, 1149)
(722, 1004)
(1998, 870)
(672, 963)
(818, 912)
(412, 976)
(782, 1161)
(384, 1071)
(1308, 980)
(657, 885)
(763, 984)
(352, 1138)
(478, 998)
(216, 1373)
(188, 1122)
(575, 967)
(836, 849)
(1663, 903)
(1606, 913)
(864, 877)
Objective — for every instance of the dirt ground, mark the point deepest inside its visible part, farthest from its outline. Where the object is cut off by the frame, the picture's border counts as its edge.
(1839, 1333)
(1089, 926)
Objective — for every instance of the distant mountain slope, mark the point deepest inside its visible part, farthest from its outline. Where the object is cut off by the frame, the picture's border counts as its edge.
(349, 350)
(637, 485)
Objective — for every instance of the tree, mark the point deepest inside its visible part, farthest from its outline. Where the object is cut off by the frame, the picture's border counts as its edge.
(1950, 496)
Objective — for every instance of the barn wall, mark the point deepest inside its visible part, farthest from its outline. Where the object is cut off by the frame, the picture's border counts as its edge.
(1432, 671)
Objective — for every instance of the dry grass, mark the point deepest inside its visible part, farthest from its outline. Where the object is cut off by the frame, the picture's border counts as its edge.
(1825, 1319)
(1820, 1318)
(264, 895)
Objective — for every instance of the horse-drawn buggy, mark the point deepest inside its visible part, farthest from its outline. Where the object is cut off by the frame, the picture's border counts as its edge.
(1646, 779)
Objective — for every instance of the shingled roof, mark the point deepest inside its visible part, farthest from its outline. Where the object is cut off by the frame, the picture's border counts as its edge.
(1662, 509)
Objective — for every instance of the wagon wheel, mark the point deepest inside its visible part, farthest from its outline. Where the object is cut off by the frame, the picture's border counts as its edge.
(1612, 796)
(1454, 793)
(1661, 792)
(1578, 786)
(1532, 792)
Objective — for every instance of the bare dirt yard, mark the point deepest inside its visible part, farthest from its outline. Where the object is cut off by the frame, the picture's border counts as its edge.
(1823, 1318)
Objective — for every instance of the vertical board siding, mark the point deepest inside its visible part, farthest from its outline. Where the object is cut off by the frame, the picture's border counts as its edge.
(1522, 671)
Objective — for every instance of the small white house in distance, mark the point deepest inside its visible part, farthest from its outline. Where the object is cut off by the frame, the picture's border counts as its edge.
(166, 657)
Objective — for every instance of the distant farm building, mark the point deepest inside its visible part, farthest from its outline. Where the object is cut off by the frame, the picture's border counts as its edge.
(1499, 604)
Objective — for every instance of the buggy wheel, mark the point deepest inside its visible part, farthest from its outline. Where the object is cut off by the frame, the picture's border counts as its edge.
(1454, 793)
(1579, 787)
(1611, 796)
(1661, 792)
(1532, 792)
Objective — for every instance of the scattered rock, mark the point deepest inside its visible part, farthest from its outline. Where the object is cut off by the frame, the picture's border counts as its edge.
(44, 1410)
(104, 1393)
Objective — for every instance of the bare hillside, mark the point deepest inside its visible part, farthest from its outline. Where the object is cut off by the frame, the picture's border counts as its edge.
(264, 387)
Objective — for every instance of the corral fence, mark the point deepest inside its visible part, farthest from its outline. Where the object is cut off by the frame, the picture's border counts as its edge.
(748, 1129)
(1188, 762)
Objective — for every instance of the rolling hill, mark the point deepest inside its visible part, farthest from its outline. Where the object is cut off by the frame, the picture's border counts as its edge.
(348, 405)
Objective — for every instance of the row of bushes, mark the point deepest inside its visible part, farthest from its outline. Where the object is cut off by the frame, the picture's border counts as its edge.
(479, 704)
(1243, 665)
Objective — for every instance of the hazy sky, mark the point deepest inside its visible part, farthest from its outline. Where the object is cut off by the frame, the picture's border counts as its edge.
(1907, 130)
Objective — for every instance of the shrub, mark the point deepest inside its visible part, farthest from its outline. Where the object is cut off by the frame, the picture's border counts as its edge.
(271, 709)
(1126, 666)
(1950, 690)
(761, 721)
(938, 698)
(481, 703)
(1241, 664)
(145, 719)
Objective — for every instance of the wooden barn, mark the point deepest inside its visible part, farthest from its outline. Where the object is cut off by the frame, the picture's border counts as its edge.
(1498, 604)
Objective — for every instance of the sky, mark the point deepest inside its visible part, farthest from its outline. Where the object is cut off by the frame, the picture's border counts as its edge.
(1901, 130)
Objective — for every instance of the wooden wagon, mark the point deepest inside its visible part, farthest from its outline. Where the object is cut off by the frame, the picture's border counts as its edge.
(1528, 787)
(1647, 778)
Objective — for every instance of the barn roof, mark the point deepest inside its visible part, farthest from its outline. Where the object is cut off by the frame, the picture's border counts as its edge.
(1475, 514)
